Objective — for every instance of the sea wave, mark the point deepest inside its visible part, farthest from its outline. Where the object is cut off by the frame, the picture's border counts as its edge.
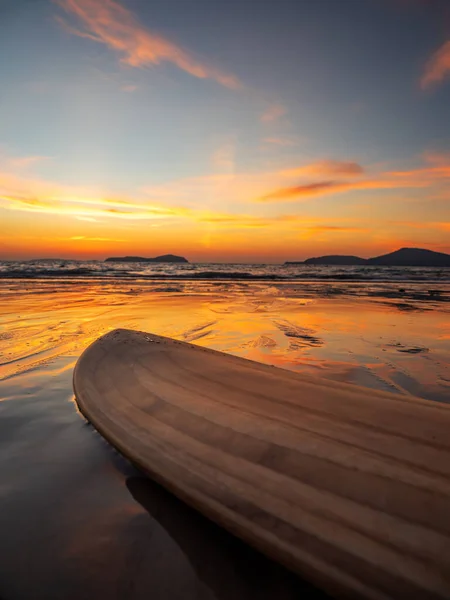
(98, 269)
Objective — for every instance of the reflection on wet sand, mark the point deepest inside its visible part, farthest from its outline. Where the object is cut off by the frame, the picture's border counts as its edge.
(368, 342)
(76, 519)
(212, 552)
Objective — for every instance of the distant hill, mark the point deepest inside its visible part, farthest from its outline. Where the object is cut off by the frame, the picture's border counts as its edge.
(165, 258)
(336, 259)
(332, 259)
(405, 257)
(412, 257)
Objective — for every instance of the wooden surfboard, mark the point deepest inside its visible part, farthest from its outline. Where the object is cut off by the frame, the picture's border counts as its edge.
(347, 486)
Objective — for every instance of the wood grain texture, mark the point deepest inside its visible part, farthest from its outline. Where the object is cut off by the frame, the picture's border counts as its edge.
(347, 486)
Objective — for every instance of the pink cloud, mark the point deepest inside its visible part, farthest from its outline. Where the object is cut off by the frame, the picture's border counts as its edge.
(326, 167)
(438, 67)
(129, 88)
(273, 113)
(280, 141)
(110, 23)
(440, 159)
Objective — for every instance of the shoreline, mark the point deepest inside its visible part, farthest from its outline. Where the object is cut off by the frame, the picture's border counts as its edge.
(412, 295)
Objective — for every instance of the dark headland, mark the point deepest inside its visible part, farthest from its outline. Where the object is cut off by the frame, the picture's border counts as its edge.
(405, 257)
(334, 259)
(165, 258)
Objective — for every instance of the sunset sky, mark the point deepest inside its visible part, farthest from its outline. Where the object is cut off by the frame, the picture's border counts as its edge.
(239, 130)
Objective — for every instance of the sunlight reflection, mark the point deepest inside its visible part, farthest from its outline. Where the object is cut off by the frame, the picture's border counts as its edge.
(45, 328)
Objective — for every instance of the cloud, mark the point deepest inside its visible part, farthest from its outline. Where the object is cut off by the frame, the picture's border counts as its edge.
(117, 205)
(440, 159)
(322, 188)
(437, 68)
(294, 222)
(273, 113)
(184, 198)
(24, 194)
(23, 162)
(88, 219)
(84, 238)
(300, 183)
(110, 23)
(338, 228)
(73, 30)
(129, 88)
(439, 169)
(311, 189)
(279, 141)
(230, 184)
(435, 173)
(202, 199)
(443, 226)
(62, 207)
(223, 158)
(326, 167)
(248, 221)
(21, 193)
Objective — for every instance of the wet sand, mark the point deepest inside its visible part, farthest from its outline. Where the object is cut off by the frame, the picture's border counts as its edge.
(77, 520)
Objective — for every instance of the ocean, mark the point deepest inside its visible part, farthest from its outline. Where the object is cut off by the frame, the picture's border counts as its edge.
(147, 271)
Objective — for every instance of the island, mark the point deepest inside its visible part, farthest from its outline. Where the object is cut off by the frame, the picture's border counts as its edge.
(165, 258)
(412, 257)
(404, 257)
(332, 259)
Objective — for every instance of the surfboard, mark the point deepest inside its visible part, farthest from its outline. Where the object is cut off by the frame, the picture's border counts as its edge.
(347, 486)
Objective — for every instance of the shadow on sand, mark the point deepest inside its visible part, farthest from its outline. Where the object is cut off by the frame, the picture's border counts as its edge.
(227, 566)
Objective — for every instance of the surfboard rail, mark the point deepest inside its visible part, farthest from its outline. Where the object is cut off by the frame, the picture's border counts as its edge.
(347, 486)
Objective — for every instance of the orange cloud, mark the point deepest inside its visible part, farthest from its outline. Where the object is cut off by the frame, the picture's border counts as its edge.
(437, 173)
(322, 188)
(110, 23)
(273, 113)
(297, 224)
(87, 219)
(248, 221)
(338, 228)
(311, 189)
(198, 203)
(85, 238)
(100, 208)
(328, 177)
(220, 188)
(437, 68)
(326, 167)
(30, 195)
(34, 195)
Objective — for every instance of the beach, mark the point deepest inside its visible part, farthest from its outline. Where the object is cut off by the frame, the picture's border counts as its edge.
(78, 520)
(265, 180)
